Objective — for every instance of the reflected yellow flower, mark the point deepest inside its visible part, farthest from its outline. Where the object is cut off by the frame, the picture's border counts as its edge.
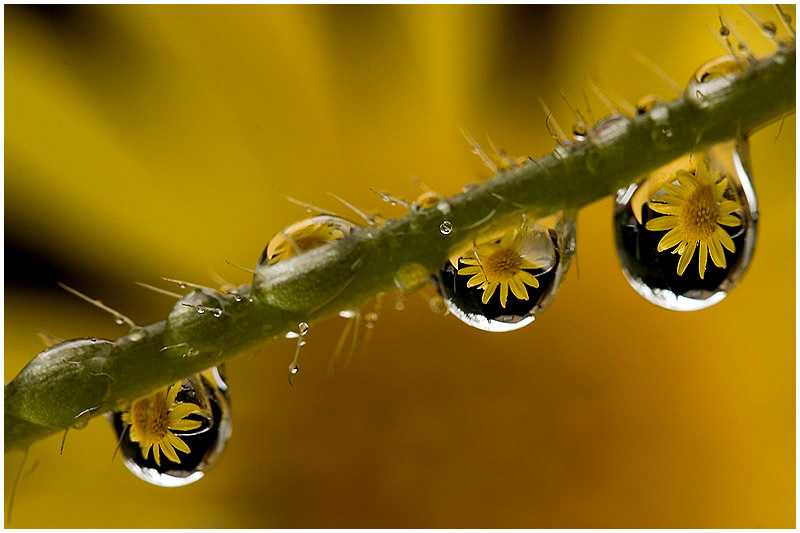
(505, 264)
(695, 210)
(153, 419)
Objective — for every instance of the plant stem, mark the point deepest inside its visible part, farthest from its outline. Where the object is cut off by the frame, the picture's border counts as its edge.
(72, 382)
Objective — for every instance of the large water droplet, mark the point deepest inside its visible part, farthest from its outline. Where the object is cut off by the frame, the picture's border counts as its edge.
(713, 201)
(524, 264)
(207, 430)
(304, 236)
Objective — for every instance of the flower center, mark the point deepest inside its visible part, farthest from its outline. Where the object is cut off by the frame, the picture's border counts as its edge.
(151, 418)
(502, 265)
(698, 218)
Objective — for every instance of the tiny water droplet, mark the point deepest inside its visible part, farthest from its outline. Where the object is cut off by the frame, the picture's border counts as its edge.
(724, 31)
(370, 319)
(666, 274)
(647, 103)
(201, 310)
(446, 227)
(119, 321)
(251, 300)
(217, 313)
(237, 297)
(347, 313)
(579, 131)
(182, 285)
(302, 328)
(294, 369)
(427, 200)
(93, 339)
(302, 342)
(666, 132)
(209, 393)
(506, 307)
(303, 236)
(769, 28)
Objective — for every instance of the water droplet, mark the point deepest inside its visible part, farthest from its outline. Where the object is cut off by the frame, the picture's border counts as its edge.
(411, 277)
(711, 78)
(446, 227)
(724, 214)
(647, 103)
(237, 297)
(119, 321)
(769, 28)
(303, 236)
(427, 200)
(201, 310)
(209, 393)
(93, 339)
(302, 328)
(302, 342)
(347, 313)
(217, 313)
(724, 31)
(294, 369)
(549, 244)
(182, 285)
(370, 319)
(579, 131)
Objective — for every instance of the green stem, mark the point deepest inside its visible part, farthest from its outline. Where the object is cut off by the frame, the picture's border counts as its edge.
(68, 384)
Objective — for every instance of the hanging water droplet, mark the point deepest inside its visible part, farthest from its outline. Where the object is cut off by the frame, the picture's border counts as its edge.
(294, 369)
(370, 319)
(685, 234)
(119, 321)
(303, 236)
(769, 28)
(302, 328)
(237, 297)
(217, 313)
(579, 131)
(446, 227)
(205, 430)
(505, 281)
(427, 200)
(647, 103)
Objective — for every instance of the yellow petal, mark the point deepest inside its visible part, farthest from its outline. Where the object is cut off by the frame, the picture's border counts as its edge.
(729, 220)
(518, 288)
(719, 188)
(503, 294)
(686, 256)
(673, 190)
(726, 207)
(477, 279)
(489, 291)
(172, 393)
(170, 452)
(669, 240)
(662, 223)
(716, 251)
(185, 425)
(687, 181)
(466, 271)
(528, 278)
(156, 454)
(665, 209)
(725, 239)
(182, 411)
(702, 259)
(177, 442)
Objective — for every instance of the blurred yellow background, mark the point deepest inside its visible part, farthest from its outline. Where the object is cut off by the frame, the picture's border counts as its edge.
(143, 142)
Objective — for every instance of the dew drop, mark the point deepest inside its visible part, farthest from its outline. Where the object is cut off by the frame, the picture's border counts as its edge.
(209, 393)
(302, 328)
(182, 285)
(201, 310)
(303, 236)
(93, 339)
(119, 321)
(549, 244)
(217, 313)
(294, 369)
(427, 200)
(655, 274)
(446, 227)
(769, 28)
(580, 131)
(347, 313)
(370, 319)
(302, 343)
(237, 297)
